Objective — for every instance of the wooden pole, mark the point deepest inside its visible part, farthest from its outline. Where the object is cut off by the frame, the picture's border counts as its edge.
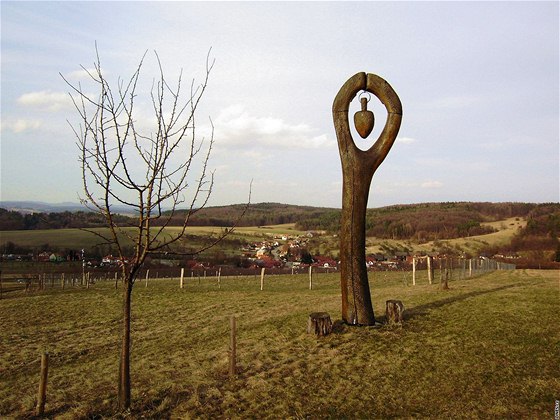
(182, 276)
(219, 277)
(430, 269)
(232, 347)
(470, 267)
(62, 281)
(262, 277)
(42, 396)
(147, 275)
(310, 277)
(414, 271)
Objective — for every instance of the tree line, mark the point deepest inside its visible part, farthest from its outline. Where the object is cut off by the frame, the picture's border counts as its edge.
(420, 222)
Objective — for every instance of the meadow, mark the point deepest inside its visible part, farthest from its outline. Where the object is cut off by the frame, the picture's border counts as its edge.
(83, 239)
(487, 348)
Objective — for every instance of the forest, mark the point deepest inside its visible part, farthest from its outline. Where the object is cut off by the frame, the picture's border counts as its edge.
(417, 222)
(420, 222)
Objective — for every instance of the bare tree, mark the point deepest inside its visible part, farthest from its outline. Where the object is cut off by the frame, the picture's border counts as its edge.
(149, 171)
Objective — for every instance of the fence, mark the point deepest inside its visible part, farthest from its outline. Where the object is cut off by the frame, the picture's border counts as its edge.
(445, 269)
(421, 270)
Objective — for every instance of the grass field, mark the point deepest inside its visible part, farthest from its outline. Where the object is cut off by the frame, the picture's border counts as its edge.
(78, 239)
(505, 231)
(487, 348)
(326, 245)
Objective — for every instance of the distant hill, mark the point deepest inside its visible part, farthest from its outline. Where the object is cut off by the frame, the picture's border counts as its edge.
(261, 214)
(30, 207)
(422, 224)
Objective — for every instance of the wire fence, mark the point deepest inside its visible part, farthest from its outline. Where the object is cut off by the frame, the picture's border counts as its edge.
(419, 270)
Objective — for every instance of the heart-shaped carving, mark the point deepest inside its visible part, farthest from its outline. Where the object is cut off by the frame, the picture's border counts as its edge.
(363, 121)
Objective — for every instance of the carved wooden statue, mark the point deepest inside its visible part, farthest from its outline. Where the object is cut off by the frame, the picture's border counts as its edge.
(358, 167)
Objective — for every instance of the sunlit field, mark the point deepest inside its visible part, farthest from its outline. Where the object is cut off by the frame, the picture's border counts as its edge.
(489, 348)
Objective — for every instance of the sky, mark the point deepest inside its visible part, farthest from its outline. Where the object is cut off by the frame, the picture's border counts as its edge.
(478, 82)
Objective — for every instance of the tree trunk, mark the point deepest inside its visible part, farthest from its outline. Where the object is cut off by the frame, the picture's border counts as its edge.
(394, 310)
(357, 308)
(319, 323)
(124, 367)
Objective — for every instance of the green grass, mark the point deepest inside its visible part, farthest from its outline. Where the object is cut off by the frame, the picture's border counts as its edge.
(487, 348)
(78, 239)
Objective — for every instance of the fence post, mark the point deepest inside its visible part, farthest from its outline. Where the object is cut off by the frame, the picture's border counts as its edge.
(262, 277)
(219, 277)
(182, 276)
(147, 275)
(310, 277)
(41, 398)
(232, 346)
(413, 271)
(430, 262)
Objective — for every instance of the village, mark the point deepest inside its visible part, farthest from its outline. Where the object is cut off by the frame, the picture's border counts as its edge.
(277, 252)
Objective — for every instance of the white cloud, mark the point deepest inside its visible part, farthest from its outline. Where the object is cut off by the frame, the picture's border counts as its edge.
(82, 74)
(431, 184)
(20, 125)
(234, 126)
(406, 140)
(46, 100)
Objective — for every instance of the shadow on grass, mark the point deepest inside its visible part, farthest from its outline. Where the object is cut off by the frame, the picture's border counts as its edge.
(339, 327)
(422, 310)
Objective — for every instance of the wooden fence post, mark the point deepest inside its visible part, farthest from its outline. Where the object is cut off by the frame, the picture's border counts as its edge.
(232, 347)
(62, 281)
(42, 396)
(182, 276)
(147, 275)
(414, 271)
(219, 277)
(445, 276)
(310, 277)
(430, 261)
(262, 277)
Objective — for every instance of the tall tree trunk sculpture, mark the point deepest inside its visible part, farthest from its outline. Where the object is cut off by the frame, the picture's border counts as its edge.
(358, 167)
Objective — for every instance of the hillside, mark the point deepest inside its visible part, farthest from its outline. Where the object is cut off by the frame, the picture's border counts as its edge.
(526, 229)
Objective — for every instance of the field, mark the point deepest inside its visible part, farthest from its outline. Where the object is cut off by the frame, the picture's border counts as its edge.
(505, 231)
(487, 348)
(326, 245)
(78, 238)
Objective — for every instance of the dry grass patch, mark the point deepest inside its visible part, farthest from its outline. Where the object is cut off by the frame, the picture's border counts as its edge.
(486, 348)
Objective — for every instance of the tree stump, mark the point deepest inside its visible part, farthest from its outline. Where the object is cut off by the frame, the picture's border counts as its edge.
(319, 323)
(394, 310)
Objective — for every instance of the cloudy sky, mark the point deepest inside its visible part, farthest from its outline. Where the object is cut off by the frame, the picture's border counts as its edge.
(479, 84)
